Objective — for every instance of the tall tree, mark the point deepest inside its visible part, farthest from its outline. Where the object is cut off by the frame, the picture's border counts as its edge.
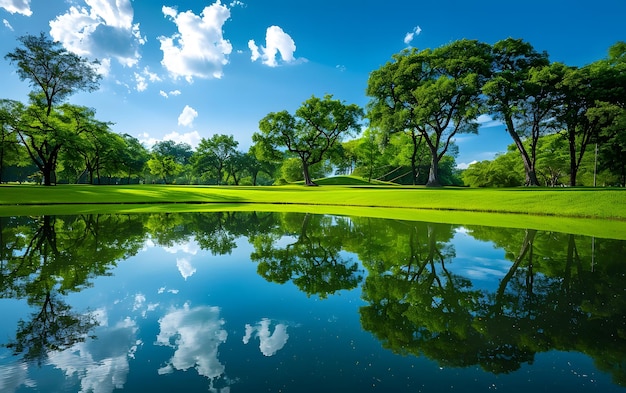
(95, 139)
(9, 150)
(215, 153)
(314, 130)
(133, 157)
(54, 74)
(168, 159)
(508, 95)
(436, 93)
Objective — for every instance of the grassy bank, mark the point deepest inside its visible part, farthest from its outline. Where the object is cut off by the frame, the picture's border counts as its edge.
(596, 212)
(565, 202)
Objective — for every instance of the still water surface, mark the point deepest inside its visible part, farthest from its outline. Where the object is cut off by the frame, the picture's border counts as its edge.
(290, 302)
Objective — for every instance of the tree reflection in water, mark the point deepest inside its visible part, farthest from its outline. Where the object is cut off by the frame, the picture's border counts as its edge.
(559, 292)
(549, 299)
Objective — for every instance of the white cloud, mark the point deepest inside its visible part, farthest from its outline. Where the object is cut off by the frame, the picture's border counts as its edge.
(187, 116)
(7, 24)
(172, 93)
(195, 334)
(276, 41)
(17, 6)
(408, 38)
(143, 78)
(464, 165)
(269, 343)
(188, 247)
(141, 82)
(104, 68)
(199, 48)
(237, 3)
(185, 268)
(104, 29)
(486, 121)
(102, 365)
(191, 138)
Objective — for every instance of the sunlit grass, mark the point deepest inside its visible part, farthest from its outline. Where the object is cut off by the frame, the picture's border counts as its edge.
(599, 212)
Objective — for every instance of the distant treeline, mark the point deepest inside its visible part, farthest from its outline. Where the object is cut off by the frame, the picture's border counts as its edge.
(567, 125)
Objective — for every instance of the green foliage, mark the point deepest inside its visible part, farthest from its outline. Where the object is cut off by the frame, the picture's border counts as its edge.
(55, 74)
(214, 155)
(164, 167)
(315, 129)
(433, 93)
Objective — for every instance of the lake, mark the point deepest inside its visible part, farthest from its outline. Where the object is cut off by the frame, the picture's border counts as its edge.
(295, 302)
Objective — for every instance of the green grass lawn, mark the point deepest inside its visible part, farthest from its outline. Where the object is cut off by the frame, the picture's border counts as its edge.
(579, 210)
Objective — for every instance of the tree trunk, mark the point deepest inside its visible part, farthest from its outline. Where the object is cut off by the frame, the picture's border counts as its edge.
(529, 169)
(307, 177)
(573, 168)
(433, 174)
(47, 174)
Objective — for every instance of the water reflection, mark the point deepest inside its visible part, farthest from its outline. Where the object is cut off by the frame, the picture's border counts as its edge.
(101, 365)
(269, 343)
(195, 334)
(423, 290)
(306, 250)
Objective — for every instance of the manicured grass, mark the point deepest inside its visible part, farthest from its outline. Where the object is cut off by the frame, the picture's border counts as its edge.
(600, 212)
(562, 202)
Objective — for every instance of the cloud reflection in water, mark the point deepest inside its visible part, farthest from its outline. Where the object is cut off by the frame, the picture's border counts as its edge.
(269, 343)
(195, 334)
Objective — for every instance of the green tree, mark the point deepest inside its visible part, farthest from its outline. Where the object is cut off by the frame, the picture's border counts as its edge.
(95, 140)
(213, 155)
(264, 162)
(510, 97)
(552, 160)
(55, 74)
(591, 99)
(503, 171)
(133, 158)
(314, 130)
(436, 93)
(164, 167)
(9, 146)
(168, 158)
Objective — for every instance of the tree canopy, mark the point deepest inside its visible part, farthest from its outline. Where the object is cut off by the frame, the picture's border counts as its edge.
(312, 132)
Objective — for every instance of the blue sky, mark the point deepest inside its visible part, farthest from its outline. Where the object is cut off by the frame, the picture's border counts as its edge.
(188, 69)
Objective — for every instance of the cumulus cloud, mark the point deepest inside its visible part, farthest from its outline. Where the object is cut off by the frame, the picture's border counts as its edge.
(269, 343)
(191, 138)
(17, 6)
(187, 116)
(408, 38)
(185, 267)
(103, 29)
(486, 121)
(465, 165)
(195, 334)
(143, 78)
(199, 48)
(172, 93)
(7, 24)
(276, 42)
(103, 364)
